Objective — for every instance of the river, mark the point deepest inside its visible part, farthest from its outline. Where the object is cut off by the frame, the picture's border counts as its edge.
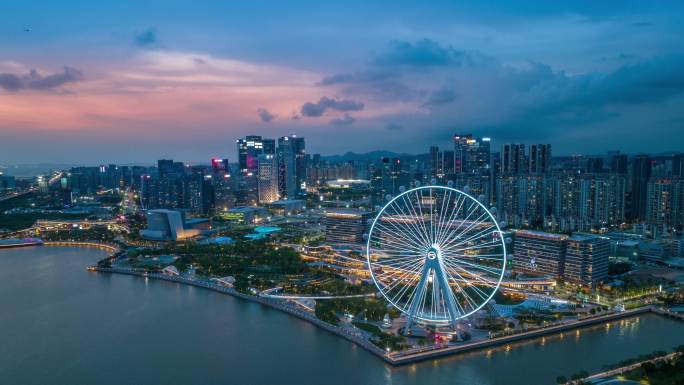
(60, 324)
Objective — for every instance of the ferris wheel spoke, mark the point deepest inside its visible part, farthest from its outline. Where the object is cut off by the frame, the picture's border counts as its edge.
(478, 291)
(420, 229)
(409, 274)
(456, 236)
(476, 275)
(445, 215)
(481, 234)
(401, 234)
(462, 291)
(401, 293)
(461, 221)
(419, 203)
(388, 257)
(467, 233)
(450, 278)
(441, 216)
(487, 257)
(395, 243)
(416, 298)
(456, 208)
(487, 245)
(432, 218)
(400, 265)
(461, 262)
(395, 264)
(407, 286)
(410, 222)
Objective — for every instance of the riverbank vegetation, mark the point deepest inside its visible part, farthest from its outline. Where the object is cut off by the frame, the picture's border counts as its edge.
(363, 309)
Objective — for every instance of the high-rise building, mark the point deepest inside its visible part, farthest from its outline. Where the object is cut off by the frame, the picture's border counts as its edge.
(287, 174)
(539, 159)
(540, 253)
(299, 148)
(512, 160)
(523, 200)
(641, 173)
(618, 164)
(267, 181)
(220, 165)
(601, 202)
(346, 225)
(586, 259)
(448, 162)
(7, 182)
(472, 155)
(665, 206)
(434, 162)
(249, 150)
(594, 165)
(678, 165)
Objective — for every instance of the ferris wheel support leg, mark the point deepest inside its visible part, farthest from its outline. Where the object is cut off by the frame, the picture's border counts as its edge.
(416, 300)
(447, 294)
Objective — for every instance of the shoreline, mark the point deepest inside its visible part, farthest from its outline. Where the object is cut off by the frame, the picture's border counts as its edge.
(394, 358)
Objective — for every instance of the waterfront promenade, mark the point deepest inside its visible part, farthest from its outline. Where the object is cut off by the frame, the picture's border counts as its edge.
(392, 358)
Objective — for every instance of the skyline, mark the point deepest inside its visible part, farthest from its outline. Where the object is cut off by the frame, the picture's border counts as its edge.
(169, 80)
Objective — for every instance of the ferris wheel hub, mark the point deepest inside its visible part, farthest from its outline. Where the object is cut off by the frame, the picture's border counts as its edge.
(433, 252)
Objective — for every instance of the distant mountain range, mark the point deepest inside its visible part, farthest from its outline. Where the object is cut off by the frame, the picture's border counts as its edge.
(373, 155)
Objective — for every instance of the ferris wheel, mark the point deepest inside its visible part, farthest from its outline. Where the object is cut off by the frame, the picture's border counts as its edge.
(436, 254)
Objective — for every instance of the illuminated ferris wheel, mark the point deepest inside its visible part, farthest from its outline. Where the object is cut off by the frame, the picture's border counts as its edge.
(436, 254)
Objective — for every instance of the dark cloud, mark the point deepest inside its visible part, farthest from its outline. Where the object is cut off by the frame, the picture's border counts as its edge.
(345, 120)
(443, 95)
(35, 81)
(265, 115)
(325, 103)
(515, 102)
(146, 38)
(426, 53)
(390, 73)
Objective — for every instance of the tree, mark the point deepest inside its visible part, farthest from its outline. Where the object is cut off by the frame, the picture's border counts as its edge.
(561, 380)
(648, 367)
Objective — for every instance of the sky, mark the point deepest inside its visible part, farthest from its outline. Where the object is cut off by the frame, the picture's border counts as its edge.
(131, 81)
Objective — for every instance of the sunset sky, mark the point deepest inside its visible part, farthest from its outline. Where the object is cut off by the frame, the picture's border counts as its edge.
(121, 81)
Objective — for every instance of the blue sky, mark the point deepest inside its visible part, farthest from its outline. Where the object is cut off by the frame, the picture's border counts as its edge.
(134, 81)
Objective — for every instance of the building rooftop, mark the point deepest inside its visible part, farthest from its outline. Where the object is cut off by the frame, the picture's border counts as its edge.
(583, 237)
(342, 213)
(541, 234)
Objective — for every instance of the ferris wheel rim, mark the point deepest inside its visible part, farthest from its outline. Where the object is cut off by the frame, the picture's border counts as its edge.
(483, 207)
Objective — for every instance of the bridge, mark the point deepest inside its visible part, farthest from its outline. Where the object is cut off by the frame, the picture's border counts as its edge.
(93, 244)
(268, 293)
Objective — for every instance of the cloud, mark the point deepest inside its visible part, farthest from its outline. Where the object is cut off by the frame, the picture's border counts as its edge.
(35, 81)
(426, 53)
(345, 120)
(325, 103)
(146, 38)
(442, 95)
(510, 101)
(393, 127)
(265, 115)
